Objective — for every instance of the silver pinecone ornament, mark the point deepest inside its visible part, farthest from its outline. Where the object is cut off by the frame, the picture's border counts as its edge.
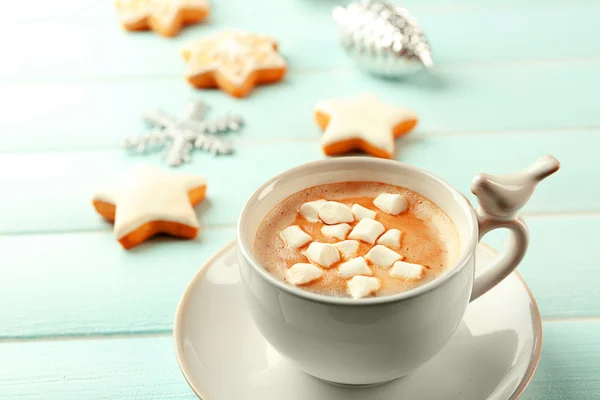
(383, 38)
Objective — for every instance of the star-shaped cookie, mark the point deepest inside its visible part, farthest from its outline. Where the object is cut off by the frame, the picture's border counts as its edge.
(233, 61)
(147, 201)
(364, 123)
(165, 17)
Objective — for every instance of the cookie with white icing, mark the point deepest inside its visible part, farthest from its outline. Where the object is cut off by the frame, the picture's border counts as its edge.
(147, 201)
(364, 123)
(233, 61)
(165, 17)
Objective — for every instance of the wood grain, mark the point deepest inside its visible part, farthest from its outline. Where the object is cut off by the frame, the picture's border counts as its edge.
(145, 368)
(68, 10)
(570, 363)
(51, 192)
(98, 47)
(560, 254)
(100, 289)
(513, 80)
(99, 115)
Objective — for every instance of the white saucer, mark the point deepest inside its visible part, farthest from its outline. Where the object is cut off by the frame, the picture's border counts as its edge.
(493, 354)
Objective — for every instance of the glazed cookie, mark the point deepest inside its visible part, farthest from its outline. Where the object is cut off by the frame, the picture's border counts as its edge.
(147, 202)
(165, 17)
(364, 123)
(233, 61)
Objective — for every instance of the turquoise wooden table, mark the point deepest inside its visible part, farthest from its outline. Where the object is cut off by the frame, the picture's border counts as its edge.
(81, 318)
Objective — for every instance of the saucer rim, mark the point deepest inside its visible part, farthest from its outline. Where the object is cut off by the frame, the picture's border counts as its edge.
(178, 323)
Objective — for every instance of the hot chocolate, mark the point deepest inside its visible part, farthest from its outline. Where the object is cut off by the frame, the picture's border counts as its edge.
(356, 239)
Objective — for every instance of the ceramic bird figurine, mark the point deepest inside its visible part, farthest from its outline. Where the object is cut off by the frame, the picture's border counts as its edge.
(502, 196)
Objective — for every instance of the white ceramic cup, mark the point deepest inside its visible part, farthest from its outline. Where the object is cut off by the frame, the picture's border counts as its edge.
(374, 340)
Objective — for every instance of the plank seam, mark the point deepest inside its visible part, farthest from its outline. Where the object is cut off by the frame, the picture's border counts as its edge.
(306, 71)
(108, 229)
(416, 137)
(83, 336)
(530, 215)
(168, 332)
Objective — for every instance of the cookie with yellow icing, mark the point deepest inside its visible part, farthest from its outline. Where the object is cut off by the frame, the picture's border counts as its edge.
(165, 17)
(233, 61)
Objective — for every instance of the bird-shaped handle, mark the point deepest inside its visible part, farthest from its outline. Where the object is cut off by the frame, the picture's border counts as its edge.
(500, 199)
(502, 196)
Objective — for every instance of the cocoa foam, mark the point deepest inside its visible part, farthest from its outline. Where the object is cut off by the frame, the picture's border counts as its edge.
(429, 235)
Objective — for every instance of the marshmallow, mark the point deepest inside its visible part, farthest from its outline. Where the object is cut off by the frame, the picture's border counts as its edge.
(294, 237)
(356, 266)
(406, 270)
(391, 203)
(302, 273)
(324, 254)
(367, 230)
(382, 256)
(362, 286)
(390, 238)
(310, 210)
(361, 212)
(347, 248)
(333, 212)
(339, 231)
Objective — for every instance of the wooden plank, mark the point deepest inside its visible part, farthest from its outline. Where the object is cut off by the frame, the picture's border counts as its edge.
(101, 114)
(570, 363)
(561, 252)
(51, 192)
(66, 10)
(58, 11)
(99, 48)
(84, 283)
(142, 368)
(145, 368)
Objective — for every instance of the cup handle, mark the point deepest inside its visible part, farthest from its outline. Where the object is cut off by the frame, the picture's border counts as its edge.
(500, 199)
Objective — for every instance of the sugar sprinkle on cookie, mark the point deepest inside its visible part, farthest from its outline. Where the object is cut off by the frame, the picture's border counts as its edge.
(165, 17)
(233, 61)
(363, 123)
(147, 201)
